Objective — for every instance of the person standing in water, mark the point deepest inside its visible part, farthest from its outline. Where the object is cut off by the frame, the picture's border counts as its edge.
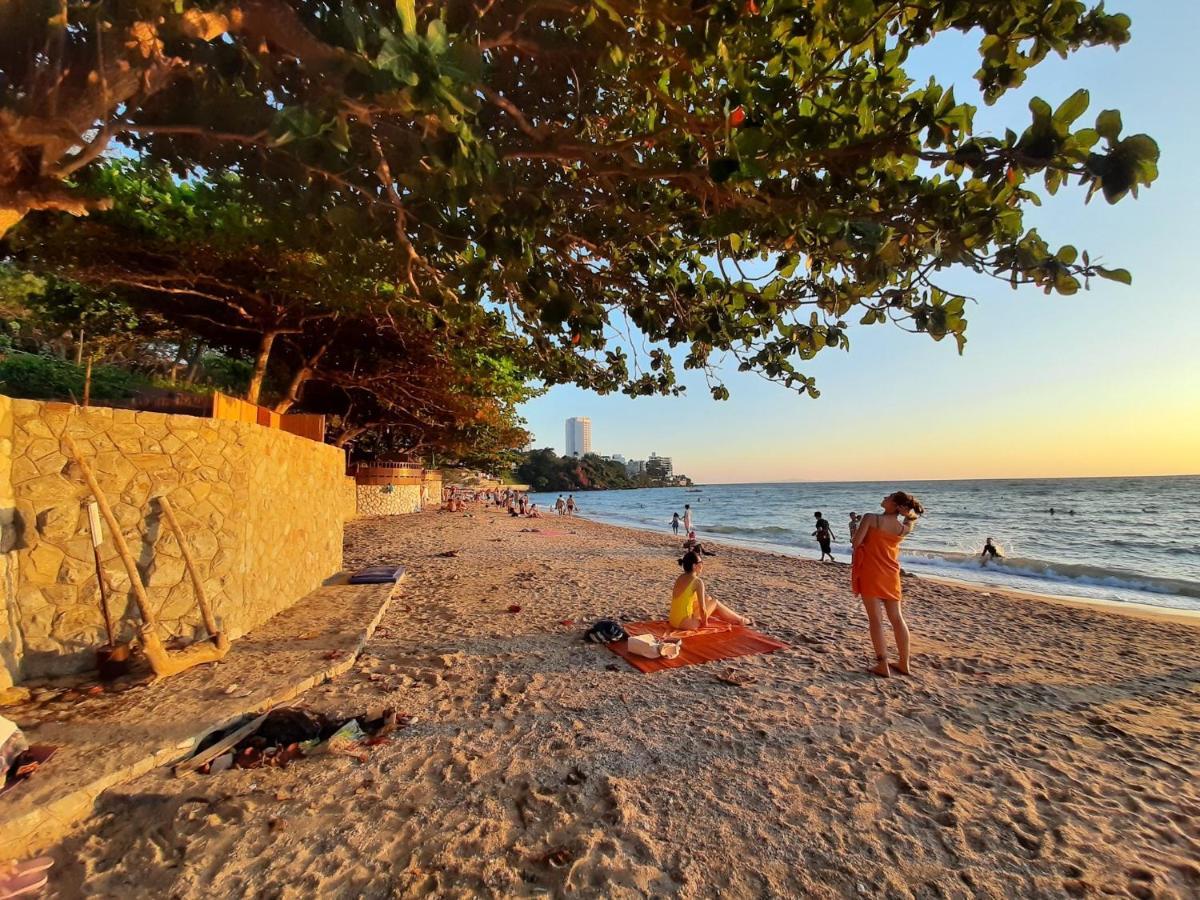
(989, 553)
(824, 536)
(875, 574)
(687, 517)
(560, 505)
(675, 522)
(570, 504)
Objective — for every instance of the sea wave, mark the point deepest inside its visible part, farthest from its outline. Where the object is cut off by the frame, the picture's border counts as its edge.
(1077, 573)
(745, 529)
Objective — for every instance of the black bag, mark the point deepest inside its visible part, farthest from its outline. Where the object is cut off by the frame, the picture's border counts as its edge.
(605, 631)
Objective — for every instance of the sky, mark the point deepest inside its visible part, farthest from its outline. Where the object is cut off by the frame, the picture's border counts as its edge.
(1103, 383)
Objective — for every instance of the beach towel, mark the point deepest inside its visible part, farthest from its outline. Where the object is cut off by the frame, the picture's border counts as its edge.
(377, 575)
(717, 641)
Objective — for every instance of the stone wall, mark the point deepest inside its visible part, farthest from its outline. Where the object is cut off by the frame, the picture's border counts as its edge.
(261, 511)
(349, 498)
(389, 499)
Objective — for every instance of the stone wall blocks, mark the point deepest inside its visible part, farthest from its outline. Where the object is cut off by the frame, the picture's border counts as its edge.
(129, 432)
(40, 564)
(127, 515)
(47, 490)
(23, 469)
(79, 547)
(61, 596)
(76, 572)
(40, 447)
(165, 572)
(59, 523)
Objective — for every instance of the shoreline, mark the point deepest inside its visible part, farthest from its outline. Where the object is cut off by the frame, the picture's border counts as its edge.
(1097, 604)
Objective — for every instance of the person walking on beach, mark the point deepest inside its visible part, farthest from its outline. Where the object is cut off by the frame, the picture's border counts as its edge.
(675, 522)
(875, 574)
(687, 517)
(570, 504)
(989, 553)
(824, 536)
(691, 606)
(560, 505)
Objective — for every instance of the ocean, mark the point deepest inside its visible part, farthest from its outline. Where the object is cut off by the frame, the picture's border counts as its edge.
(1126, 539)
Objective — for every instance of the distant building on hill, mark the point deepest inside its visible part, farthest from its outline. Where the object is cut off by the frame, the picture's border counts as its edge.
(635, 467)
(619, 457)
(579, 436)
(659, 466)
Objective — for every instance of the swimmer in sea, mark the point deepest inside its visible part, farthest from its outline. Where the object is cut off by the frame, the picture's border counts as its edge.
(989, 553)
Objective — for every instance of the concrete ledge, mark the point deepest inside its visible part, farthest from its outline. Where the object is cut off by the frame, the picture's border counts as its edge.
(113, 738)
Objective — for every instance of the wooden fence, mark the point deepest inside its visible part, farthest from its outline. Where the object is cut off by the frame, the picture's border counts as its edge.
(305, 425)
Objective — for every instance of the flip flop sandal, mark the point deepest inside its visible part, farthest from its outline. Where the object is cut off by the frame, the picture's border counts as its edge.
(21, 884)
(36, 864)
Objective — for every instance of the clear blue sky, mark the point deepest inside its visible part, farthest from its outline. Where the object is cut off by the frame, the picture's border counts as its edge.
(1106, 382)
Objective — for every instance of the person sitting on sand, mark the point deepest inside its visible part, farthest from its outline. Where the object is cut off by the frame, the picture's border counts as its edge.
(534, 512)
(691, 605)
(692, 544)
(875, 573)
(989, 553)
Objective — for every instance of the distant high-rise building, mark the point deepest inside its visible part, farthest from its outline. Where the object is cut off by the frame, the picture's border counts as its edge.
(579, 436)
(635, 467)
(660, 466)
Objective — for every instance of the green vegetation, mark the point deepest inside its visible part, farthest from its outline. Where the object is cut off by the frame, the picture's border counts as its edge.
(402, 215)
(544, 470)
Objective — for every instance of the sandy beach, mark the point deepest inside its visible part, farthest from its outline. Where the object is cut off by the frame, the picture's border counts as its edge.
(1038, 750)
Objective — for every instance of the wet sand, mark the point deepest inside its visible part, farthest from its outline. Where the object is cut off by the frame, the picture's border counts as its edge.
(1039, 750)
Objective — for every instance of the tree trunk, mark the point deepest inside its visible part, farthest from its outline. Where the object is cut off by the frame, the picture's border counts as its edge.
(87, 384)
(79, 344)
(348, 435)
(303, 374)
(260, 366)
(194, 364)
(181, 358)
(293, 392)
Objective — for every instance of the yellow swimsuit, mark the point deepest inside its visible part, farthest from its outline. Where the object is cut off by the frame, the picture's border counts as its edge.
(683, 604)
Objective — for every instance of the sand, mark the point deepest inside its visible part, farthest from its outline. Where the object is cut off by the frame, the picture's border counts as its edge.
(1039, 750)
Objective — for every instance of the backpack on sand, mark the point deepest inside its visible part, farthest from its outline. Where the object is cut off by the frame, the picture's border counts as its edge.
(605, 631)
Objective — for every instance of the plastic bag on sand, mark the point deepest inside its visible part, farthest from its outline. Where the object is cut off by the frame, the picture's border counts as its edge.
(346, 740)
(12, 745)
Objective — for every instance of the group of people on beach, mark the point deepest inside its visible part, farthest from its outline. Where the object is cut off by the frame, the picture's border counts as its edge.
(565, 507)
(874, 576)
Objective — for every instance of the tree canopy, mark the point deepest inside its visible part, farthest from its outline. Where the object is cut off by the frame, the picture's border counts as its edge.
(604, 181)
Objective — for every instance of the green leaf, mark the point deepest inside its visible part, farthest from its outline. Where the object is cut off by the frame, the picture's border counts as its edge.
(1072, 108)
(1120, 275)
(408, 16)
(1108, 124)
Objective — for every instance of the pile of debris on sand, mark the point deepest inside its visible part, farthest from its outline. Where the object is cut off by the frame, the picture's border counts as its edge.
(290, 733)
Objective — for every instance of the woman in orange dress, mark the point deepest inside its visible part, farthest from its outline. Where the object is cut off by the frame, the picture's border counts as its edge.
(875, 573)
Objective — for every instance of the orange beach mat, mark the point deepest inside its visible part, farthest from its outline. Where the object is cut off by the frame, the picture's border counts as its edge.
(701, 646)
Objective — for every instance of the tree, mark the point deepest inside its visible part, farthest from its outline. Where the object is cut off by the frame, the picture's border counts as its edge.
(598, 168)
(314, 309)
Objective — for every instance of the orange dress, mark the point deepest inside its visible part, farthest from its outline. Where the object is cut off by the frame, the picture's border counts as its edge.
(875, 569)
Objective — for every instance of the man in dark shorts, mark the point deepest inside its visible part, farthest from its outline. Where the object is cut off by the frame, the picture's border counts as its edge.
(824, 536)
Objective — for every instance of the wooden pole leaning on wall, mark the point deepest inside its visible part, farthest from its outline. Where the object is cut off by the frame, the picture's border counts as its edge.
(161, 662)
(201, 596)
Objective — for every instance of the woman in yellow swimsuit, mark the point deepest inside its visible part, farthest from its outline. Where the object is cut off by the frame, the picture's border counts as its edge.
(691, 607)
